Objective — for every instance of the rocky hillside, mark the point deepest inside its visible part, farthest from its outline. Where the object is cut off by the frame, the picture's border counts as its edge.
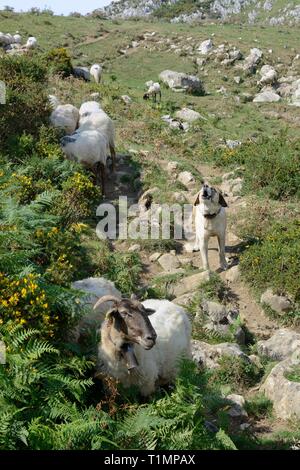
(273, 12)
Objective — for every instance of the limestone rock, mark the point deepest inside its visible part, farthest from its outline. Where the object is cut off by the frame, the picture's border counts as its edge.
(168, 262)
(182, 81)
(281, 345)
(188, 115)
(278, 303)
(284, 393)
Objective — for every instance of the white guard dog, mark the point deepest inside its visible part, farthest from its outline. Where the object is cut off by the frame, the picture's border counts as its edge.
(210, 221)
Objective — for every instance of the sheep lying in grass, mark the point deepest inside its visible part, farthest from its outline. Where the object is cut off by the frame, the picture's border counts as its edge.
(153, 91)
(66, 117)
(141, 352)
(96, 72)
(89, 148)
(82, 72)
(93, 117)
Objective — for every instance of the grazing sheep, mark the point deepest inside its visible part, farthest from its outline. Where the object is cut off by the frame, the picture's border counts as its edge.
(89, 148)
(31, 43)
(6, 39)
(141, 352)
(100, 121)
(153, 91)
(268, 74)
(82, 72)
(66, 117)
(96, 72)
(89, 107)
(17, 38)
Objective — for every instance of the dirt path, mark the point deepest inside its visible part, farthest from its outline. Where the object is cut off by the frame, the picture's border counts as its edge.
(251, 312)
(89, 41)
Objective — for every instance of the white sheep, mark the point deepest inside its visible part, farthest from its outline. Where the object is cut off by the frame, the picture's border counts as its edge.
(268, 74)
(100, 121)
(89, 107)
(66, 117)
(140, 350)
(6, 39)
(89, 148)
(153, 91)
(31, 43)
(96, 72)
(17, 38)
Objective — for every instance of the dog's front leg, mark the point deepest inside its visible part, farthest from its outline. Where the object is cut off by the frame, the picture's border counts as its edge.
(204, 252)
(223, 262)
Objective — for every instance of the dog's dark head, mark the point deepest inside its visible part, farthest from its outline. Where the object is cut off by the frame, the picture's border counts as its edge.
(210, 195)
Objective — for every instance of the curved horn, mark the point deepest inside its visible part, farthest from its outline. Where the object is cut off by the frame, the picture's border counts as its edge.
(106, 298)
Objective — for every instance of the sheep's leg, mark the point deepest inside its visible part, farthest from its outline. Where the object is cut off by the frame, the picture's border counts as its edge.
(159, 96)
(113, 156)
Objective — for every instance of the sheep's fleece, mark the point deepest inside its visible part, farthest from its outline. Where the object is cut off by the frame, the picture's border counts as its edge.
(159, 364)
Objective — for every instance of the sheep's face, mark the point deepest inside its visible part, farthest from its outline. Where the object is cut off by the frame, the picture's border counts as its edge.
(132, 324)
(146, 96)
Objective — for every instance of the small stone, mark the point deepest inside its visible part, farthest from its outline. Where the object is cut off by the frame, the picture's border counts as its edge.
(186, 178)
(233, 274)
(237, 80)
(126, 99)
(188, 115)
(190, 283)
(134, 248)
(281, 345)
(278, 303)
(154, 257)
(172, 166)
(169, 262)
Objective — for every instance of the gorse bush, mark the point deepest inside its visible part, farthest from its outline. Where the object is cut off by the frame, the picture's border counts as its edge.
(59, 61)
(274, 260)
(271, 166)
(26, 95)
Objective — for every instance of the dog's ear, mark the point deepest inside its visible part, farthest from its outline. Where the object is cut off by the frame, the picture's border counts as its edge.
(222, 201)
(197, 200)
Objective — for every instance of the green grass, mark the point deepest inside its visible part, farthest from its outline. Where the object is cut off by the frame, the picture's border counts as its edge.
(293, 374)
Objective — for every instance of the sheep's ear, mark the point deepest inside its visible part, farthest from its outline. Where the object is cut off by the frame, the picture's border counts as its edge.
(222, 201)
(197, 200)
(150, 311)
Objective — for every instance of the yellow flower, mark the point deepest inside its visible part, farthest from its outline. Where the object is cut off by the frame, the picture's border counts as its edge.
(22, 321)
(4, 303)
(24, 292)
